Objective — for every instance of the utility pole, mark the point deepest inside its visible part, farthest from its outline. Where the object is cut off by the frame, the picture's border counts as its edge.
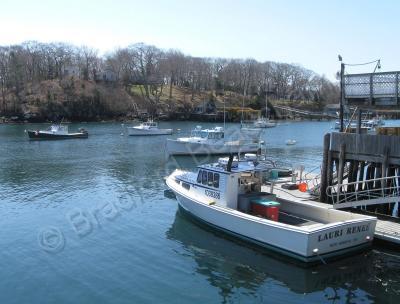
(341, 94)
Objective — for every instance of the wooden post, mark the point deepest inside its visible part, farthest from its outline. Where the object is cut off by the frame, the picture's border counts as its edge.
(342, 96)
(329, 172)
(350, 176)
(385, 161)
(359, 113)
(340, 171)
(324, 169)
(361, 176)
(341, 163)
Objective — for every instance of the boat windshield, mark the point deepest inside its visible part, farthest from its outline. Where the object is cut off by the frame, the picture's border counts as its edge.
(200, 133)
(215, 135)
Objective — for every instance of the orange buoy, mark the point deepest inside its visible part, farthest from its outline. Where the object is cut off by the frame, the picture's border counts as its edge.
(302, 187)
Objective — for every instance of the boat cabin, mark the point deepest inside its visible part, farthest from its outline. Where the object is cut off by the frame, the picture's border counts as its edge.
(149, 124)
(225, 182)
(214, 134)
(58, 129)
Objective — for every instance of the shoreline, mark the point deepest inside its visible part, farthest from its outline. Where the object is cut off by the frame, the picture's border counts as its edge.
(133, 120)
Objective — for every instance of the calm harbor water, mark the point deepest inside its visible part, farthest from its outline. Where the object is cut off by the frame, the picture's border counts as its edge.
(86, 221)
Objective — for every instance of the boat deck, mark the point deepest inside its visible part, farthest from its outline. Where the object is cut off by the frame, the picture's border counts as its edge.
(291, 219)
(385, 230)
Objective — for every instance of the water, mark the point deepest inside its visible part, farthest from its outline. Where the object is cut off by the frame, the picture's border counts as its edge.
(86, 221)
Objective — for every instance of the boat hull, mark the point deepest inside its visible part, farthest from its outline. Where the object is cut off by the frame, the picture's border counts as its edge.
(304, 259)
(146, 132)
(307, 246)
(176, 147)
(250, 133)
(38, 135)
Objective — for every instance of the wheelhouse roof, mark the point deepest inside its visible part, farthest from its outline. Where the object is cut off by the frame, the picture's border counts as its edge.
(237, 166)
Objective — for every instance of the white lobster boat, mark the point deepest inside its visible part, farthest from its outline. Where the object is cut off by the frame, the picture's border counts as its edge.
(208, 142)
(262, 122)
(223, 195)
(248, 131)
(148, 128)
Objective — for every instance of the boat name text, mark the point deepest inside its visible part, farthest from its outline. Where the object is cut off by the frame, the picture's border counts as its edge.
(340, 232)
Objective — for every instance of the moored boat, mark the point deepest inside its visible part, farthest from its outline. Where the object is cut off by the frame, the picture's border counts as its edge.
(248, 131)
(56, 132)
(207, 142)
(227, 196)
(264, 123)
(148, 128)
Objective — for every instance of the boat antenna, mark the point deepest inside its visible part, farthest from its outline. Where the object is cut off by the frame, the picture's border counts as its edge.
(229, 165)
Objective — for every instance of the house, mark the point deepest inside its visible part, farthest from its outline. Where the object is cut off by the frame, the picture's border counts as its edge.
(206, 107)
(106, 75)
(71, 71)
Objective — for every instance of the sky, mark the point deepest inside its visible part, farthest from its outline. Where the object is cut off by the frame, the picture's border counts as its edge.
(310, 33)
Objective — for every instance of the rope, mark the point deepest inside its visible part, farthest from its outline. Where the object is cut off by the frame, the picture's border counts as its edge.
(358, 64)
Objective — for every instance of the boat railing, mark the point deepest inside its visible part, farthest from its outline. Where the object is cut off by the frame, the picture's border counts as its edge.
(313, 179)
(366, 192)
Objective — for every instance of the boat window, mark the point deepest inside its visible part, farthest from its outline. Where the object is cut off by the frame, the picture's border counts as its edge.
(203, 134)
(204, 178)
(195, 134)
(216, 180)
(210, 179)
(199, 176)
(186, 186)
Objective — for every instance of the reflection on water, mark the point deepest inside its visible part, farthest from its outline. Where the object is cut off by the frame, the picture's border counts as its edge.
(230, 266)
(149, 254)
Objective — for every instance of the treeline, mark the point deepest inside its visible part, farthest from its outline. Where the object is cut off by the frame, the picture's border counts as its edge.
(156, 71)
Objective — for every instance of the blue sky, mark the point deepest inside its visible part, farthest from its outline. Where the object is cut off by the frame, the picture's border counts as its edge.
(309, 32)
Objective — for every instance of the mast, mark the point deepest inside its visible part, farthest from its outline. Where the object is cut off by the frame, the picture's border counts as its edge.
(244, 95)
(223, 98)
(266, 101)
